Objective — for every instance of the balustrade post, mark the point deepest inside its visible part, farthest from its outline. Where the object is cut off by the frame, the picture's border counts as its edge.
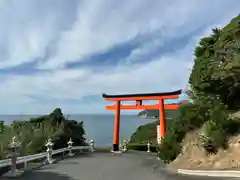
(92, 146)
(124, 145)
(148, 146)
(49, 150)
(70, 143)
(14, 146)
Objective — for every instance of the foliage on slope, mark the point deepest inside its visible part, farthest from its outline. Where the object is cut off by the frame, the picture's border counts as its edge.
(215, 82)
(144, 133)
(216, 70)
(34, 133)
(149, 131)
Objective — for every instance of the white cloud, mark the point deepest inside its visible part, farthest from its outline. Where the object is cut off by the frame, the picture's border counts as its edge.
(79, 29)
(29, 28)
(102, 24)
(74, 84)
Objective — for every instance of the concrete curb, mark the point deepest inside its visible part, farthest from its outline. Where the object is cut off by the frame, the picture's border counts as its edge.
(212, 173)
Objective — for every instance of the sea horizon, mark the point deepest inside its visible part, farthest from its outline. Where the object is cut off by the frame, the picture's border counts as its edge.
(98, 127)
(65, 114)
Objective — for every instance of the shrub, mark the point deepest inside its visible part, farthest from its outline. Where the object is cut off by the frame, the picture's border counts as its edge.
(214, 130)
(170, 148)
(214, 136)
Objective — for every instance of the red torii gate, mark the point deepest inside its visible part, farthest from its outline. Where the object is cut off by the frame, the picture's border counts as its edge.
(138, 106)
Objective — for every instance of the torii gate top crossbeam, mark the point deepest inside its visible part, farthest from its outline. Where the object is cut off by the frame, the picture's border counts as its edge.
(147, 96)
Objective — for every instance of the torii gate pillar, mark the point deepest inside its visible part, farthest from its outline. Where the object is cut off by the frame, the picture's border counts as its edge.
(116, 130)
(162, 119)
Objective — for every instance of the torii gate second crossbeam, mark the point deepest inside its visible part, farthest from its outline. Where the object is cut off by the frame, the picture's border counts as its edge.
(139, 106)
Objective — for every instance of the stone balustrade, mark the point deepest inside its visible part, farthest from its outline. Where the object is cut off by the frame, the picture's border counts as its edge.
(15, 159)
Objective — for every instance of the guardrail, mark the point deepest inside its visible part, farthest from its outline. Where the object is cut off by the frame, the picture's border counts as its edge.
(15, 159)
(24, 159)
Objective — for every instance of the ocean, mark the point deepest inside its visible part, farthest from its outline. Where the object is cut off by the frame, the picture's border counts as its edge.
(97, 127)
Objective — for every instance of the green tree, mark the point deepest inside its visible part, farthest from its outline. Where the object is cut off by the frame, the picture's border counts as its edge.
(216, 70)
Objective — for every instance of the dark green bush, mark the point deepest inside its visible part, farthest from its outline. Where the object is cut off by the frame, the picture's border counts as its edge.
(170, 148)
(214, 130)
(215, 136)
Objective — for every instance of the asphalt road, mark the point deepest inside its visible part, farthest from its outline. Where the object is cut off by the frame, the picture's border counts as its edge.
(106, 166)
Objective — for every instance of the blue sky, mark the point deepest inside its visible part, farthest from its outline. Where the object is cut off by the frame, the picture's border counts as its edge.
(65, 54)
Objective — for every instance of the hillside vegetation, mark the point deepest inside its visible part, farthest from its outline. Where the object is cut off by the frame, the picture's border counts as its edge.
(144, 133)
(148, 132)
(206, 128)
(215, 83)
(33, 134)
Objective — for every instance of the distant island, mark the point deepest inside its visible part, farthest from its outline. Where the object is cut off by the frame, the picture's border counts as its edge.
(154, 113)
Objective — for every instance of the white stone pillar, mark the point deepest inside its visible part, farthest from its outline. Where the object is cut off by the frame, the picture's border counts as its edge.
(148, 146)
(124, 145)
(14, 146)
(49, 150)
(92, 145)
(70, 143)
(158, 134)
